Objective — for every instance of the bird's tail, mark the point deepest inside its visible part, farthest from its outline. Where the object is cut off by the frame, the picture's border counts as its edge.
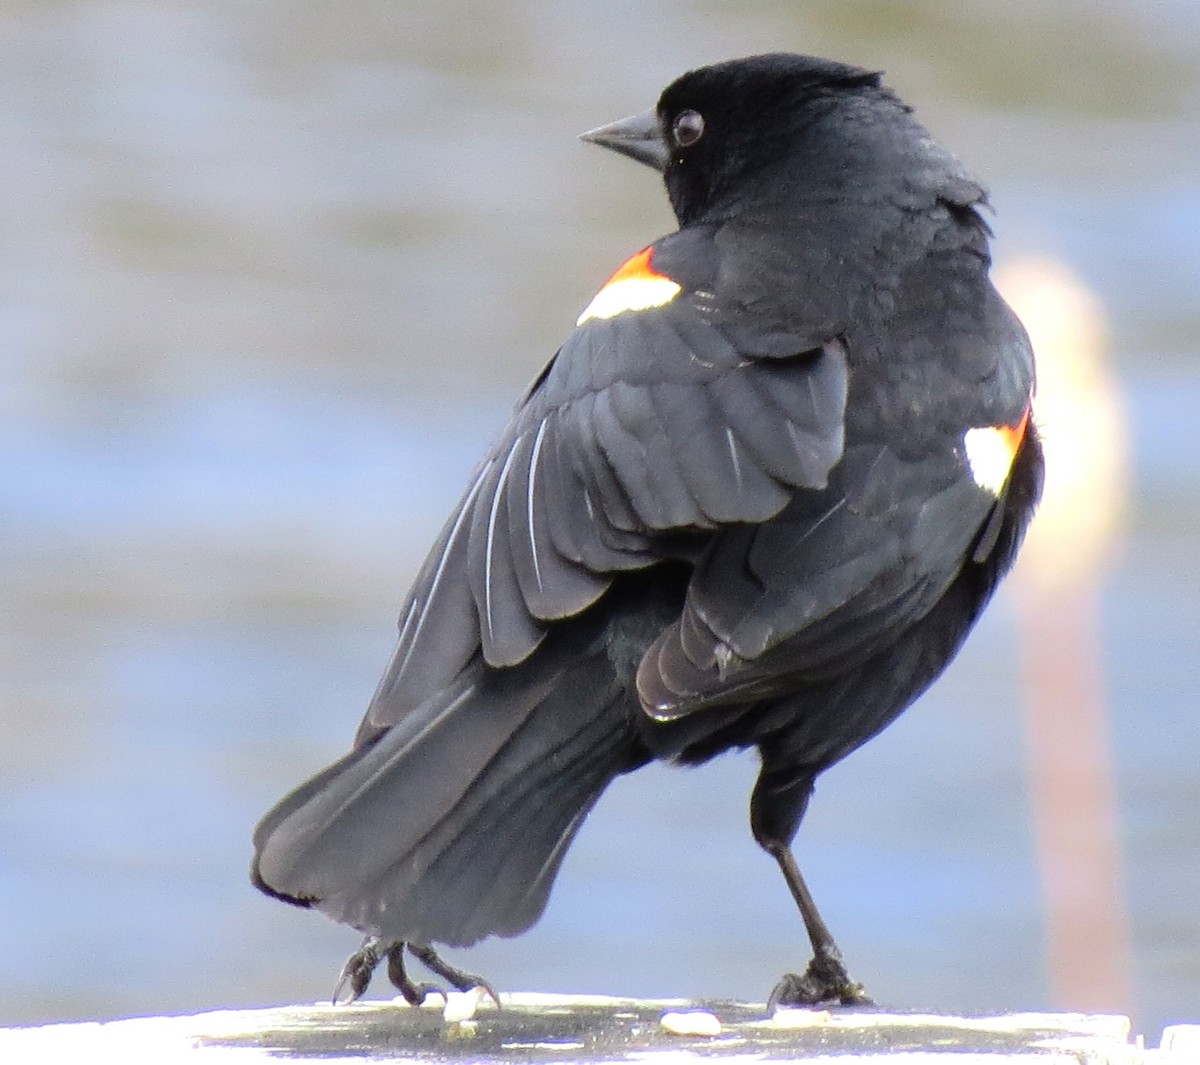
(450, 825)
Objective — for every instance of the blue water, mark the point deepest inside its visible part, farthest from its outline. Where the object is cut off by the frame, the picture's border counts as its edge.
(272, 283)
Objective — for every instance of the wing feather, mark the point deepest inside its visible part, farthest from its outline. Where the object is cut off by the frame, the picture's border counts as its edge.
(647, 424)
(441, 625)
(823, 584)
(507, 630)
(664, 502)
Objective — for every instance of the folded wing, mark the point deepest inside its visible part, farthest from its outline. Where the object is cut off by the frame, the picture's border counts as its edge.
(652, 422)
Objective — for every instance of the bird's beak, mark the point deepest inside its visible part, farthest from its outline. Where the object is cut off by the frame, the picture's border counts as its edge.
(638, 136)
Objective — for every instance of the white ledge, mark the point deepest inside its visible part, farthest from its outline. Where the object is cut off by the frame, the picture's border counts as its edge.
(596, 1029)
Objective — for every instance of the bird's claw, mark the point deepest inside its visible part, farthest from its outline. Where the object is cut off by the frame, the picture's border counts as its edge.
(356, 974)
(459, 979)
(824, 981)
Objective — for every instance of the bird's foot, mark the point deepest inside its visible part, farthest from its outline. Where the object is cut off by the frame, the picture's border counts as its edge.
(459, 979)
(356, 974)
(824, 981)
(361, 965)
(413, 993)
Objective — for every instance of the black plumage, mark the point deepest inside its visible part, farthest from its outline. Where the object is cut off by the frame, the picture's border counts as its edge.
(758, 498)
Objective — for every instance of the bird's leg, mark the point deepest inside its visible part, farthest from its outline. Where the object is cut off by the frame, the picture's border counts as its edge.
(414, 994)
(825, 979)
(456, 978)
(777, 806)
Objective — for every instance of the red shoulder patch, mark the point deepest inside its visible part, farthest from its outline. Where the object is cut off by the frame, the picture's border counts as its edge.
(991, 450)
(636, 286)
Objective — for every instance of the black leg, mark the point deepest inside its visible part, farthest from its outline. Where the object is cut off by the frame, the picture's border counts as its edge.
(414, 994)
(780, 798)
(456, 978)
(825, 979)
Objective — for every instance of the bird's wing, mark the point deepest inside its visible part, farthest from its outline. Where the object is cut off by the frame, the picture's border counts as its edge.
(818, 588)
(667, 410)
(840, 572)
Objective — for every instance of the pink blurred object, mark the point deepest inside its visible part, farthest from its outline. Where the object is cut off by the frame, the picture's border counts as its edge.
(1058, 580)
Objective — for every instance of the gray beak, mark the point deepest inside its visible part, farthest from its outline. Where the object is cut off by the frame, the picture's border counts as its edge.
(637, 136)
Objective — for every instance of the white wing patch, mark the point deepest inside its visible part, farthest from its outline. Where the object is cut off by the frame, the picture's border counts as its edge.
(636, 286)
(633, 294)
(990, 453)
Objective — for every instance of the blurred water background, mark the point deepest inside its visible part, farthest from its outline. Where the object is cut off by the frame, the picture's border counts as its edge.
(272, 274)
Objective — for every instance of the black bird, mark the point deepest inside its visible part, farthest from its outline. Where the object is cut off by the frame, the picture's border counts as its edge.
(758, 498)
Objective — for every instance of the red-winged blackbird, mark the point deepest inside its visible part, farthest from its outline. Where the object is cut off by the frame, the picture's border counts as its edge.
(758, 498)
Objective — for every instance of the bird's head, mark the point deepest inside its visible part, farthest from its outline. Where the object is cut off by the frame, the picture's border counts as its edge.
(716, 128)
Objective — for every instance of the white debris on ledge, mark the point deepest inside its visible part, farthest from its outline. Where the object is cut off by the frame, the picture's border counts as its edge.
(690, 1022)
(596, 1029)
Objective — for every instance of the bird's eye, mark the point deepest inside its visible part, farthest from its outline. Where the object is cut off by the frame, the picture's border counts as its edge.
(687, 129)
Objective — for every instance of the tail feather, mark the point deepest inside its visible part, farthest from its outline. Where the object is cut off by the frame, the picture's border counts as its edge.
(452, 824)
(497, 877)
